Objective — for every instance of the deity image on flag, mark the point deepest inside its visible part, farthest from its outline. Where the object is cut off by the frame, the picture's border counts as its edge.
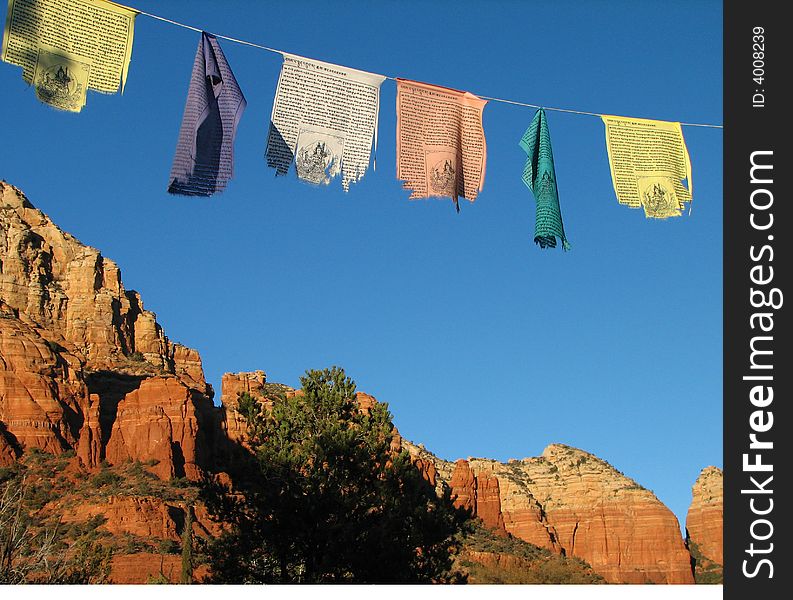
(539, 175)
(324, 120)
(41, 37)
(441, 149)
(649, 162)
(61, 81)
(658, 197)
(441, 173)
(204, 160)
(318, 157)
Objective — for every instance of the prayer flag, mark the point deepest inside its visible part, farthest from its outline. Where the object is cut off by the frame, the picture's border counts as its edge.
(204, 160)
(441, 149)
(649, 161)
(66, 47)
(324, 120)
(539, 176)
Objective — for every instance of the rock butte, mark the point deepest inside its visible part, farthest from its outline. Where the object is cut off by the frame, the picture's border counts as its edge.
(705, 518)
(575, 504)
(84, 367)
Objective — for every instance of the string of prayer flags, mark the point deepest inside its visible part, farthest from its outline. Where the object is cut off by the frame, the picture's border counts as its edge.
(539, 176)
(441, 149)
(66, 47)
(649, 161)
(324, 119)
(204, 159)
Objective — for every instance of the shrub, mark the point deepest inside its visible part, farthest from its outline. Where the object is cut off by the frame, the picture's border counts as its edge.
(159, 579)
(105, 478)
(168, 547)
(328, 499)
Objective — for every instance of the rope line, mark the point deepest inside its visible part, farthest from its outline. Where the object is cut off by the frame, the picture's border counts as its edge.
(489, 98)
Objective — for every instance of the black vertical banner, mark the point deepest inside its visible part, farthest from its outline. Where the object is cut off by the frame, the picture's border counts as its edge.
(758, 229)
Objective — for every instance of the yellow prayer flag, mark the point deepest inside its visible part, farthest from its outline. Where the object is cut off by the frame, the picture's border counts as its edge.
(649, 162)
(68, 46)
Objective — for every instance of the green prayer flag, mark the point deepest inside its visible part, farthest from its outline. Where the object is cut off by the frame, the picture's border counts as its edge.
(540, 177)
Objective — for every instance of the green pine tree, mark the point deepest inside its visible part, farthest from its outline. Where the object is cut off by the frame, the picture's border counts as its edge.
(330, 500)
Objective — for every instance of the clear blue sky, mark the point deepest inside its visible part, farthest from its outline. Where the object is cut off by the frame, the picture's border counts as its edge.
(482, 344)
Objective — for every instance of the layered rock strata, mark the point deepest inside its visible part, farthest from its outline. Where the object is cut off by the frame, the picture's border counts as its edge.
(75, 294)
(573, 503)
(149, 567)
(232, 385)
(705, 520)
(143, 516)
(83, 366)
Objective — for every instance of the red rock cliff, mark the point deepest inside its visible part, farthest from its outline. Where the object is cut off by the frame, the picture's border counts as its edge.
(83, 365)
(571, 502)
(705, 520)
(232, 385)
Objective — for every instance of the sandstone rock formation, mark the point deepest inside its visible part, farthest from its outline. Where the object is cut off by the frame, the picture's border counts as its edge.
(160, 420)
(479, 494)
(83, 366)
(75, 294)
(497, 567)
(571, 502)
(705, 521)
(145, 567)
(232, 385)
(427, 470)
(8, 454)
(41, 387)
(146, 517)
